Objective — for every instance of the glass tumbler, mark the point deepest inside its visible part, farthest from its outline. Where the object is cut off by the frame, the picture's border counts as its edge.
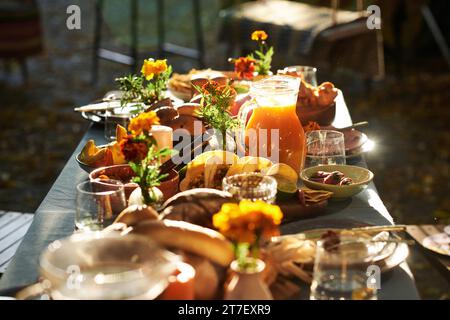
(307, 73)
(341, 270)
(324, 147)
(98, 203)
(111, 122)
(251, 186)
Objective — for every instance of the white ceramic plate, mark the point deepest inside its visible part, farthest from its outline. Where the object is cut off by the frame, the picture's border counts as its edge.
(439, 243)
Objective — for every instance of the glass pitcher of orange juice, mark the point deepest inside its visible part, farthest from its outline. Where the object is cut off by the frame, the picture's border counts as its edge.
(269, 126)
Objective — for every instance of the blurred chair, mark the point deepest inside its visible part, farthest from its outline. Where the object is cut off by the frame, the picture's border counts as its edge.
(20, 32)
(326, 37)
(164, 48)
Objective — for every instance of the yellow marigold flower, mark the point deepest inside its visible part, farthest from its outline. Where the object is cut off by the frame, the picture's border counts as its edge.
(271, 212)
(143, 122)
(259, 35)
(245, 221)
(152, 68)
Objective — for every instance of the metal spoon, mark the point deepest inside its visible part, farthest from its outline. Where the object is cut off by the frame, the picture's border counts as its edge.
(355, 125)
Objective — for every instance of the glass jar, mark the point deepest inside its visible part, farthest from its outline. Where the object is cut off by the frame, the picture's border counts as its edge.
(251, 186)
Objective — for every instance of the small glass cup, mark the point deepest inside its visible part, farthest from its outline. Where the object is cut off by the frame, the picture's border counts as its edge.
(341, 270)
(324, 147)
(111, 122)
(98, 203)
(307, 73)
(251, 186)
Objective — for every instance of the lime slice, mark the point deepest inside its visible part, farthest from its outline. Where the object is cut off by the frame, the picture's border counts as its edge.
(283, 173)
(286, 191)
(286, 180)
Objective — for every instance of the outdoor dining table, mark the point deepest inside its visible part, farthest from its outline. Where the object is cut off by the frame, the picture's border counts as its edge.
(54, 219)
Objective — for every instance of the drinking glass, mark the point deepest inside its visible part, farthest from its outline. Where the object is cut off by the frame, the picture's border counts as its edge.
(324, 147)
(307, 73)
(111, 122)
(340, 270)
(105, 265)
(251, 186)
(98, 203)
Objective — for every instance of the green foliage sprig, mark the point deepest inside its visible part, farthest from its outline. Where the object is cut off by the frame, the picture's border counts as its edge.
(215, 104)
(146, 88)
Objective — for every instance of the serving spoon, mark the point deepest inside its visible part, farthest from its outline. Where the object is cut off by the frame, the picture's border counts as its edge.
(353, 126)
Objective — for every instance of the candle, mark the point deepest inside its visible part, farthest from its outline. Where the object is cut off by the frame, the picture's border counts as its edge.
(164, 138)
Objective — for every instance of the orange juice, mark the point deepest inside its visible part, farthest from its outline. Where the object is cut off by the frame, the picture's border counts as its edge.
(290, 144)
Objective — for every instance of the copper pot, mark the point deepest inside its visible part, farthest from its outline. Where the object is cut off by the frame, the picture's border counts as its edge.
(323, 116)
(124, 173)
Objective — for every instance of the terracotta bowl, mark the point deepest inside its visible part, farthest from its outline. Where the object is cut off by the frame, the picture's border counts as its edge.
(123, 172)
(323, 116)
(169, 186)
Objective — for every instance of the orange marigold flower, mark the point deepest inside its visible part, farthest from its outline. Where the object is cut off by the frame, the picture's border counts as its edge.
(210, 87)
(259, 35)
(133, 150)
(152, 68)
(246, 221)
(143, 122)
(244, 67)
(227, 89)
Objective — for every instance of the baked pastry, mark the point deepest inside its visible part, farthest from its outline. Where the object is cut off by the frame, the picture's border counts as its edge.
(196, 206)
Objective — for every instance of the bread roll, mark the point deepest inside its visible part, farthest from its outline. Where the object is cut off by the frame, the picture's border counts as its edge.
(135, 214)
(196, 206)
(189, 109)
(188, 237)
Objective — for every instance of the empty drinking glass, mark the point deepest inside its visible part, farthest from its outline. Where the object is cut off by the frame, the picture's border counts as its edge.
(98, 203)
(111, 122)
(324, 147)
(307, 73)
(341, 270)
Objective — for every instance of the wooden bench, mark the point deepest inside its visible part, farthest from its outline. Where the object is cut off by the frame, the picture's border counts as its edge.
(13, 226)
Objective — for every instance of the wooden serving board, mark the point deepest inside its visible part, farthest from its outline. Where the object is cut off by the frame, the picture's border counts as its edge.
(293, 210)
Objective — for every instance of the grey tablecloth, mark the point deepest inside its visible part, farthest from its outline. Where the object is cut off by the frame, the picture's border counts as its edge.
(54, 219)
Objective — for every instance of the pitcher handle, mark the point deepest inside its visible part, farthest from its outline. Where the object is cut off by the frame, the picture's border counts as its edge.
(242, 119)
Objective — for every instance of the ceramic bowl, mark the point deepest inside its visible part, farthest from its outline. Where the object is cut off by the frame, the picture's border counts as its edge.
(121, 172)
(361, 178)
(124, 173)
(86, 167)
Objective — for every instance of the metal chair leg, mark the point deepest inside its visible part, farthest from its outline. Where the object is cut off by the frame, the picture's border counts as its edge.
(199, 32)
(436, 32)
(97, 39)
(160, 27)
(134, 34)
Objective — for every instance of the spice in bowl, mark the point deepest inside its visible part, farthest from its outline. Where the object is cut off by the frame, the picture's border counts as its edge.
(334, 178)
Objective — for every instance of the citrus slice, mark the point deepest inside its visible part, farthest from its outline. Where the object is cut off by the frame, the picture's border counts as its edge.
(283, 174)
(286, 191)
(286, 180)
(121, 133)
